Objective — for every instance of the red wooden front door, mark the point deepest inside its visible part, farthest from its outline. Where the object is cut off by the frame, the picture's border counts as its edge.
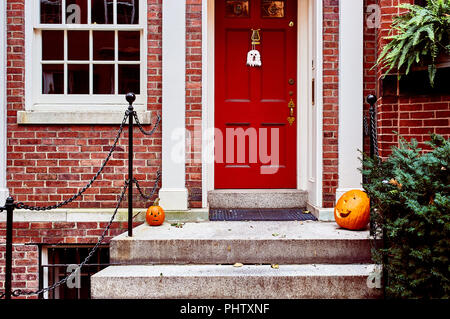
(255, 145)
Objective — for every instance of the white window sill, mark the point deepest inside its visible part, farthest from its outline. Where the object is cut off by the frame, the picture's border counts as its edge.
(78, 117)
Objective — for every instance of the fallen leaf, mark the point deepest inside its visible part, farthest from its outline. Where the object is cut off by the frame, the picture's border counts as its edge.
(275, 266)
(306, 212)
(275, 234)
(237, 265)
(229, 248)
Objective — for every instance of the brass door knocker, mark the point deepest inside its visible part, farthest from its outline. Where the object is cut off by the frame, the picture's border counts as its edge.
(253, 56)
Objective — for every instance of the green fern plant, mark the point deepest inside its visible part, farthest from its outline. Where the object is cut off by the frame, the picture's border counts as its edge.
(418, 37)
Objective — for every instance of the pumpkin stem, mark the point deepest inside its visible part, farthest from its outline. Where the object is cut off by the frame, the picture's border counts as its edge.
(156, 202)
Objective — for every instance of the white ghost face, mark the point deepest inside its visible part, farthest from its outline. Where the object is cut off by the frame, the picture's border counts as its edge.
(253, 58)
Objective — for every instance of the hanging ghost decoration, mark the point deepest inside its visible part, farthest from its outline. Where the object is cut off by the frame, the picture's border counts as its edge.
(254, 58)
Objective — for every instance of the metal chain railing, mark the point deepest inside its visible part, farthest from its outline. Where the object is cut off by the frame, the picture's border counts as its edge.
(148, 197)
(129, 114)
(141, 128)
(19, 292)
(21, 205)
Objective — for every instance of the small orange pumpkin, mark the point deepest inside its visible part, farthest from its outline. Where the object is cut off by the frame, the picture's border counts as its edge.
(155, 214)
(352, 210)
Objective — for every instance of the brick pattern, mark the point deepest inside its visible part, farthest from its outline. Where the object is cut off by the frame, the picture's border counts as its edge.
(25, 256)
(194, 102)
(25, 272)
(49, 163)
(411, 116)
(330, 100)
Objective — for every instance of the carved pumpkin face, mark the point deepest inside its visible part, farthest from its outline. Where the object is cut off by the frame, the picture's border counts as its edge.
(155, 215)
(352, 210)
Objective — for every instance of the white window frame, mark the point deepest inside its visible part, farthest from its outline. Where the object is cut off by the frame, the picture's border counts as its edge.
(78, 108)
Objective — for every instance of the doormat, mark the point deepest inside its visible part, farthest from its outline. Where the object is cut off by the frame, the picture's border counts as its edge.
(281, 214)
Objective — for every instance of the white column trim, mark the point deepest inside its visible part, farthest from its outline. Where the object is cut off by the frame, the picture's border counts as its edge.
(173, 193)
(3, 104)
(351, 41)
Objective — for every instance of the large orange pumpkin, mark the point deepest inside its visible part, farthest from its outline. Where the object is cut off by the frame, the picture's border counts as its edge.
(155, 214)
(352, 210)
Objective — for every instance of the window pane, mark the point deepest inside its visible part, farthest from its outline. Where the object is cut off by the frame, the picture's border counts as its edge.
(236, 9)
(52, 79)
(78, 78)
(78, 45)
(51, 11)
(128, 12)
(129, 76)
(52, 45)
(103, 79)
(76, 11)
(104, 45)
(102, 11)
(129, 47)
(272, 9)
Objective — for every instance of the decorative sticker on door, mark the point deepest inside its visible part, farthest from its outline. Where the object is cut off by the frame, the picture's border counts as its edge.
(236, 9)
(272, 9)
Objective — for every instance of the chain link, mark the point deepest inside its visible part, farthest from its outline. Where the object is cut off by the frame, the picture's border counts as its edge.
(19, 292)
(148, 197)
(21, 205)
(141, 128)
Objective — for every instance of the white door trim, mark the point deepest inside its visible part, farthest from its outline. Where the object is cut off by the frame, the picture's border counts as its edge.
(351, 41)
(173, 193)
(305, 32)
(3, 105)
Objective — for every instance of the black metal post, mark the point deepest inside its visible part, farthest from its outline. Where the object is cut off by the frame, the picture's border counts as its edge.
(372, 99)
(130, 98)
(9, 205)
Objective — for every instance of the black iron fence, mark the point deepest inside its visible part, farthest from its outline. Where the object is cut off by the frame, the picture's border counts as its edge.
(11, 205)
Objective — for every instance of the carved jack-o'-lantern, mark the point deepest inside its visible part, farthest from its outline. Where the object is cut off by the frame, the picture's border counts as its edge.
(155, 214)
(352, 210)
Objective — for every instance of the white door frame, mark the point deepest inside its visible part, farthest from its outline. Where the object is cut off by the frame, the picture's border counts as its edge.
(309, 44)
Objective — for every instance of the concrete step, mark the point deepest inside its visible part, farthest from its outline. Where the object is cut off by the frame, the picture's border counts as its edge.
(226, 281)
(260, 242)
(257, 198)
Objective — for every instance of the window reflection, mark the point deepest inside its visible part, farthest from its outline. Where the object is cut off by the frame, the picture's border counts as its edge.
(78, 78)
(52, 79)
(103, 79)
(102, 11)
(103, 45)
(129, 48)
(51, 11)
(127, 11)
(78, 45)
(129, 76)
(52, 45)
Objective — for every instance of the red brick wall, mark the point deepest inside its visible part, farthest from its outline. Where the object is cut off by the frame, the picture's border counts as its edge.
(25, 272)
(194, 101)
(25, 254)
(330, 100)
(49, 163)
(411, 116)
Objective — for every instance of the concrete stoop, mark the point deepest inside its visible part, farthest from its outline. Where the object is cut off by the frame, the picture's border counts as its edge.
(316, 260)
